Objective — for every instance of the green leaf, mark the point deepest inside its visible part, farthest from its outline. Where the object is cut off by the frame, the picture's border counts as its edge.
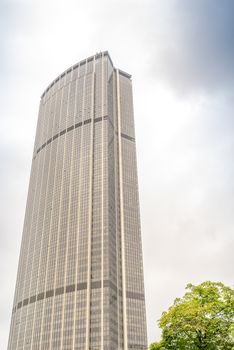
(202, 319)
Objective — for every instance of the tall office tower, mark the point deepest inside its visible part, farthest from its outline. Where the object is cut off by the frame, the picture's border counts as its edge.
(80, 278)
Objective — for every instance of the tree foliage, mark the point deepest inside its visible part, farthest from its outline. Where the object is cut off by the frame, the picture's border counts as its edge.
(202, 319)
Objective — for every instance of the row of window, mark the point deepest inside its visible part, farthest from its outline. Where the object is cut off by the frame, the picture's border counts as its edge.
(72, 127)
(72, 288)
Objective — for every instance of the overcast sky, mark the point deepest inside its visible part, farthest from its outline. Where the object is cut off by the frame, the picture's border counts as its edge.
(181, 56)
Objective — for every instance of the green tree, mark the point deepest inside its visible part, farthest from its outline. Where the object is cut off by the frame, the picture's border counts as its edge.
(202, 319)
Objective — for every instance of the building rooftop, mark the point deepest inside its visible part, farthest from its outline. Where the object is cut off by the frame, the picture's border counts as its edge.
(81, 63)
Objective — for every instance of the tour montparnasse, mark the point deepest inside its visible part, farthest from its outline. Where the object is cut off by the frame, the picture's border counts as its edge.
(80, 282)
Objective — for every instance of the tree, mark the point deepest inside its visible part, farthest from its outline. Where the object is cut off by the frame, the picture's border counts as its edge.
(202, 319)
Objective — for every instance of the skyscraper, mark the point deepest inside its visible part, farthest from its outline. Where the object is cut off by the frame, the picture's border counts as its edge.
(80, 276)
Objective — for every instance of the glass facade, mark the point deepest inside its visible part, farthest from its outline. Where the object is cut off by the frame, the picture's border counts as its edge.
(80, 282)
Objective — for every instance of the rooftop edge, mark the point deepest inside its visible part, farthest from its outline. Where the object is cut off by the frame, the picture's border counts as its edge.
(80, 63)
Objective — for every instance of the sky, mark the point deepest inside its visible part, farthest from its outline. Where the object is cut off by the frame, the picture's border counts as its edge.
(180, 54)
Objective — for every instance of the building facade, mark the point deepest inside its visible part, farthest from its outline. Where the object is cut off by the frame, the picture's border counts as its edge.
(80, 282)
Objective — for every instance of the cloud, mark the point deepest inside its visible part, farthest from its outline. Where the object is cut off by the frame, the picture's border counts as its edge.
(193, 49)
(185, 151)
